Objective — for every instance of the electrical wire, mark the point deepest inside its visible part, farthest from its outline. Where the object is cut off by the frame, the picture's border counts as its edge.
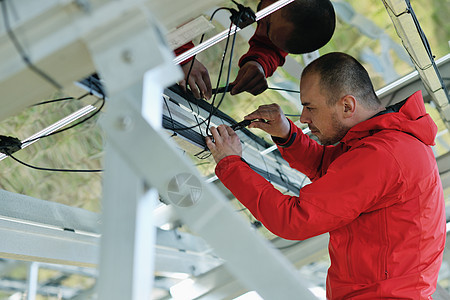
(170, 115)
(51, 169)
(61, 130)
(79, 122)
(214, 109)
(58, 131)
(284, 90)
(409, 10)
(426, 44)
(21, 50)
(193, 61)
(61, 99)
(393, 12)
(73, 125)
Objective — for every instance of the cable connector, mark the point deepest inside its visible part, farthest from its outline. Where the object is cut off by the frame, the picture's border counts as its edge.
(244, 17)
(9, 144)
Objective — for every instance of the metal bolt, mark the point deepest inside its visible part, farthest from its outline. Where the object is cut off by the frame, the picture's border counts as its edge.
(124, 123)
(84, 5)
(127, 56)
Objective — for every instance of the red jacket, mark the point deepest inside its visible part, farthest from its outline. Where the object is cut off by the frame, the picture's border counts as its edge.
(265, 53)
(379, 195)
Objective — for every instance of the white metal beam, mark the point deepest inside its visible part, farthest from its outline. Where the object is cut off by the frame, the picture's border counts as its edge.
(43, 231)
(248, 255)
(220, 284)
(38, 230)
(414, 42)
(52, 33)
(410, 83)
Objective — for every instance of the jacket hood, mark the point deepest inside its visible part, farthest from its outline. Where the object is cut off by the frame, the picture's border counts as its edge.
(410, 118)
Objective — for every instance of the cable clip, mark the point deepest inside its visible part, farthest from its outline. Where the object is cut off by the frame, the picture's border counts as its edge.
(223, 89)
(9, 144)
(244, 17)
(245, 123)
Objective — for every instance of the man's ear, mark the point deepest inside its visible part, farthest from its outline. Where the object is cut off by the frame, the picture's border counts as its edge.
(348, 104)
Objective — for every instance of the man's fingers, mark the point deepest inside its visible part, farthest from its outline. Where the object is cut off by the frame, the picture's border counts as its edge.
(201, 86)
(261, 125)
(182, 83)
(223, 131)
(208, 88)
(215, 134)
(194, 88)
(239, 83)
(210, 144)
(250, 78)
(256, 85)
(230, 131)
(258, 89)
(259, 114)
(267, 112)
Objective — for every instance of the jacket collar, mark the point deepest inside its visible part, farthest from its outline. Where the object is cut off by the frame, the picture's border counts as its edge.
(407, 116)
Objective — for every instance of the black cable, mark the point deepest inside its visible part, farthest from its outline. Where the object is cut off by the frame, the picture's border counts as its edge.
(79, 122)
(230, 87)
(170, 115)
(285, 90)
(51, 169)
(409, 10)
(426, 44)
(9, 152)
(61, 99)
(220, 74)
(71, 126)
(393, 12)
(201, 40)
(213, 109)
(22, 52)
(192, 65)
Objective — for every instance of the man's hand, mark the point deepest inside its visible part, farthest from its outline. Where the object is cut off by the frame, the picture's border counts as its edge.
(226, 142)
(250, 78)
(275, 122)
(199, 81)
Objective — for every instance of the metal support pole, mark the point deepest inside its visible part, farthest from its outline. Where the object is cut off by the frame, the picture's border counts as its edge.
(32, 281)
(122, 54)
(126, 260)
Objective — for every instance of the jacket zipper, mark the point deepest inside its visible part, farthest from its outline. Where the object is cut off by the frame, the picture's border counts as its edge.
(386, 240)
(349, 255)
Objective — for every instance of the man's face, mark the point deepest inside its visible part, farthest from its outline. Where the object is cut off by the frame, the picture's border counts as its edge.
(323, 120)
(274, 26)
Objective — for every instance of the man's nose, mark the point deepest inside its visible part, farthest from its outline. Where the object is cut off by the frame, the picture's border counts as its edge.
(304, 117)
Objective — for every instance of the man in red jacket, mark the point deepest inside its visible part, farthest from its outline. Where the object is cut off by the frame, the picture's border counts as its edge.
(300, 27)
(375, 184)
